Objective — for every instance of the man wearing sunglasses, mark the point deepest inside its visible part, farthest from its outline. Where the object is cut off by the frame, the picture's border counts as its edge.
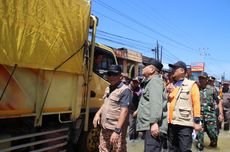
(112, 116)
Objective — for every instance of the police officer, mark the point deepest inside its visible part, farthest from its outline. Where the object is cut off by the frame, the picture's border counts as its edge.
(208, 113)
(112, 115)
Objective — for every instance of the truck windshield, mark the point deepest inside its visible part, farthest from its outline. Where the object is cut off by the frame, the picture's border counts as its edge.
(102, 60)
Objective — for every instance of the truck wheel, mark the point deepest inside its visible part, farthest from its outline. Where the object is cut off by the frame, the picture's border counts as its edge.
(92, 141)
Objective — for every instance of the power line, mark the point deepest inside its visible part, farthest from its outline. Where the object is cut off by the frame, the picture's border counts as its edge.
(169, 57)
(127, 26)
(135, 30)
(217, 60)
(138, 23)
(141, 42)
(173, 27)
(138, 6)
(141, 31)
(173, 55)
(123, 40)
(131, 44)
(121, 43)
(167, 54)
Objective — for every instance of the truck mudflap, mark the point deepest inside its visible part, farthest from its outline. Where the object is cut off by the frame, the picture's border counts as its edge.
(75, 131)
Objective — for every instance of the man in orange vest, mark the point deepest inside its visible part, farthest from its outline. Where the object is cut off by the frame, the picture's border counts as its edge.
(184, 109)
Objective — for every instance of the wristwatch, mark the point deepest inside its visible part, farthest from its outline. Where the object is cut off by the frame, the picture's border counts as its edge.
(117, 130)
(196, 120)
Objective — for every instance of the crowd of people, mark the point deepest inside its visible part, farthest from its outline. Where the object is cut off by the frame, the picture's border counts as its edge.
(165, 107)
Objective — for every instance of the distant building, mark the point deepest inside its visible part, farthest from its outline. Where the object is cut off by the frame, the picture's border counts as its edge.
(129, 60)
(196, 70)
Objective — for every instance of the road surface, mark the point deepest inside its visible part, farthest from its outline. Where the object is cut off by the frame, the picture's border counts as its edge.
(223, 144)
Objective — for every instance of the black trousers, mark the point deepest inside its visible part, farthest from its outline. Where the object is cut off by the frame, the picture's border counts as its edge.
(133, 134)
(180, 138)
(154, 144)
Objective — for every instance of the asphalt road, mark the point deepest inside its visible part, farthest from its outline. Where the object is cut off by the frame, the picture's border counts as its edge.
(223, 144)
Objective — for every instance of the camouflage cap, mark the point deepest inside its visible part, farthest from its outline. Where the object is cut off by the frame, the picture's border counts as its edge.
(211, 78)
(203, 75)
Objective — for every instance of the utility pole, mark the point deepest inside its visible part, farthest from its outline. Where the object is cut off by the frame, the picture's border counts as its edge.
(154, 50)
(158, 52)
(161, 53)
(223, 77)
(204, 53)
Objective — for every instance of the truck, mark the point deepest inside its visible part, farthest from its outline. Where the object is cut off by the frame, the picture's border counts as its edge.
(52, 75)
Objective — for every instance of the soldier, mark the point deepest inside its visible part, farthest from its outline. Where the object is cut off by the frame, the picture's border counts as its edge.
(112, 115)
(226, 104)
(208, 113)
(218, 103)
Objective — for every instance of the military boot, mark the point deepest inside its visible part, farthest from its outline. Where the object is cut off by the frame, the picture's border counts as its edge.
(213, 144)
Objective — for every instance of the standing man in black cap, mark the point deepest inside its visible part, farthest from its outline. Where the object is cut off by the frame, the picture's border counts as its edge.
(152, 108)
(112, 116)
(184, 109)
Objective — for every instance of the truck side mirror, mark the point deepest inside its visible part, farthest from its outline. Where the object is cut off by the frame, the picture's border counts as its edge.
(91, 23)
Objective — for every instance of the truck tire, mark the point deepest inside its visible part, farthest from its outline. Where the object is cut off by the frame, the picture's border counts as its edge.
(92, 141)
(88, 141)
(92, 138)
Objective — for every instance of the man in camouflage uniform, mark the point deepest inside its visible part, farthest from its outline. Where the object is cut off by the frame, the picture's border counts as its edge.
(208, 113)
(218, 103)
